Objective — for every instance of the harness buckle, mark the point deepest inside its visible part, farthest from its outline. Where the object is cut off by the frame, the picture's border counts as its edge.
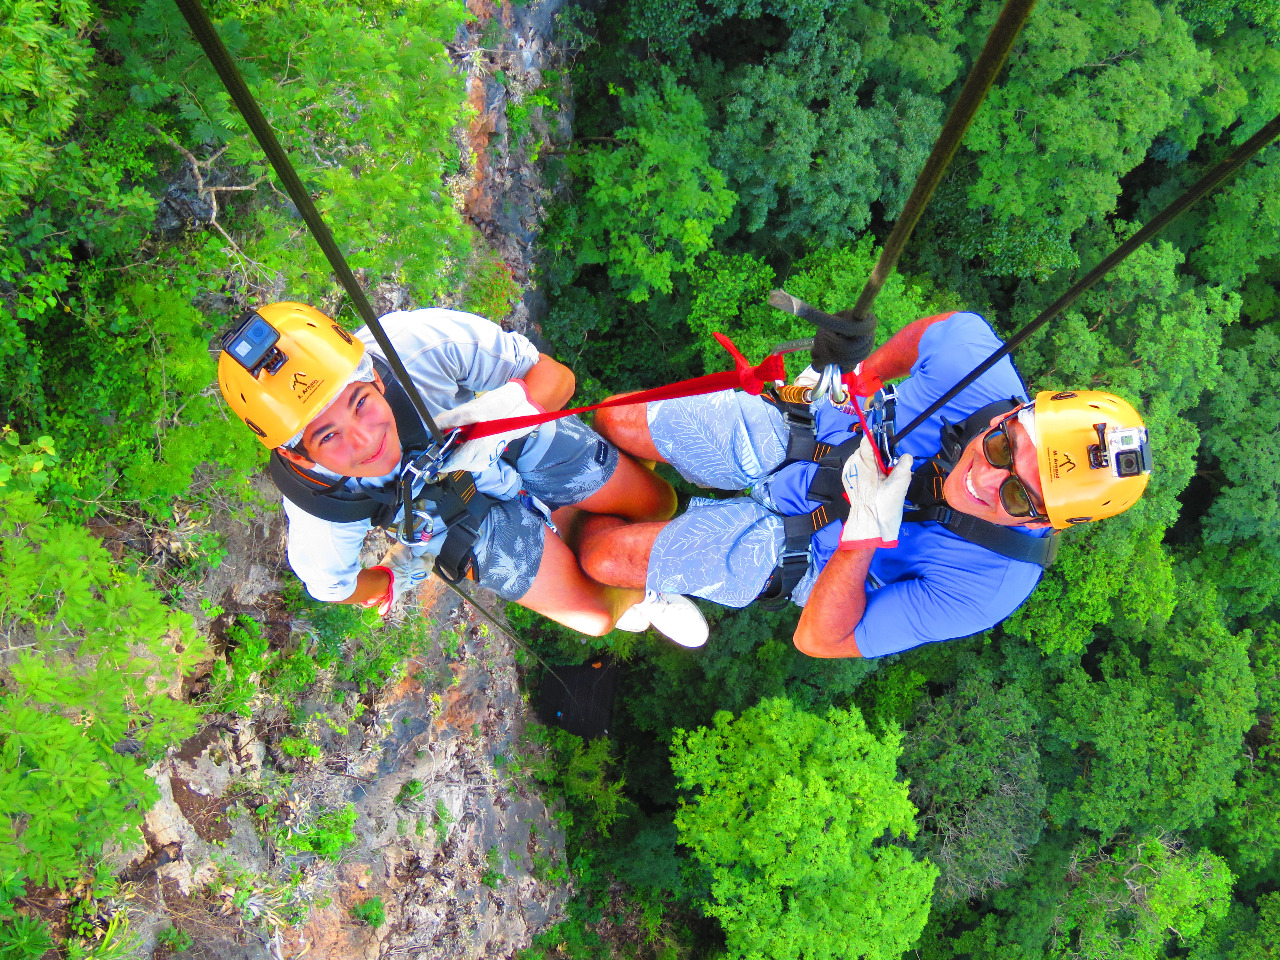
(882, 416)
(419, 470)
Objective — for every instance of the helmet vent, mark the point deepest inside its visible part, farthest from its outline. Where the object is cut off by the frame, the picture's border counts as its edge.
(1079, 519)
(1065, 395)
(255, 428)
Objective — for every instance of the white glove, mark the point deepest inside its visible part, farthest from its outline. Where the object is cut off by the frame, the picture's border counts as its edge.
(809, 377)
(407, 573)
(875, 501)
(475, 456)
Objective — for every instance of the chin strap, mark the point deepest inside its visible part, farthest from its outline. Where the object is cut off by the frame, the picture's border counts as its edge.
(929, 503)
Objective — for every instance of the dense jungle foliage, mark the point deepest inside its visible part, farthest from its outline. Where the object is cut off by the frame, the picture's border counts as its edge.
(1097, 777)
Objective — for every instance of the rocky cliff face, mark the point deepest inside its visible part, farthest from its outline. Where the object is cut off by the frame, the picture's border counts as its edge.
(458, 850)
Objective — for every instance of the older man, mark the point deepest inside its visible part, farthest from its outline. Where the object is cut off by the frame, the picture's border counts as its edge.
(984, 483)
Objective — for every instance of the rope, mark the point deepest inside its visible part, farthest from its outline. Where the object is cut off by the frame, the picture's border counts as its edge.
(1203, 186)
(860, 321)
(995, 51)
(203, 30)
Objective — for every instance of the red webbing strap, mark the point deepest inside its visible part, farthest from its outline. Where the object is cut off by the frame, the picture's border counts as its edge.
(866, 432)
(744, 376)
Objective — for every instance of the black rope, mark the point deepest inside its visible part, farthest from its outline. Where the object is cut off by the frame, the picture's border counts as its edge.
(860, 321)
(995, 51)
(1204, 185)
(205, 34)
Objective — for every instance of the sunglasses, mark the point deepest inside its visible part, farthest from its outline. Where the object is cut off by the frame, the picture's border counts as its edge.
(997, 447)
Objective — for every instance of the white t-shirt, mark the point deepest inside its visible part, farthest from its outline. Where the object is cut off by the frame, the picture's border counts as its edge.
(451, 356)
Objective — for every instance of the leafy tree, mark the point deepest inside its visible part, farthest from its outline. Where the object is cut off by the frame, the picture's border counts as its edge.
(1132, 900)
(1161, 727)
(806, 158)
(82, 713)
(1245, 934)
(788, 817)
(652, 202)
(973, 762)
(1090, 87)
(43, 79)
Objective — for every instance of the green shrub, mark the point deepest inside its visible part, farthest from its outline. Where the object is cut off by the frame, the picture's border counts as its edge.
(329, 835)
(175, 939)
(370, 911)
(86, 706)
(24, 938)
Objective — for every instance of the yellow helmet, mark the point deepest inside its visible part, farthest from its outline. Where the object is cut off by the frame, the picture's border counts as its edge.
(282, 365)
(1094, 457)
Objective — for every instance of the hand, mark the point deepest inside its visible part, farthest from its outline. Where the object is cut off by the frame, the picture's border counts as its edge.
(875, 501)
(474, 456)
(407, 573)
(809, 377)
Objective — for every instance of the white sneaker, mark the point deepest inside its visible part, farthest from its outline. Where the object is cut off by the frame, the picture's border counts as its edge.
(672, 615)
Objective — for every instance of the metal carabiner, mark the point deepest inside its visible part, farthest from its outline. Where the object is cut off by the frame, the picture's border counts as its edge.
(831, 384)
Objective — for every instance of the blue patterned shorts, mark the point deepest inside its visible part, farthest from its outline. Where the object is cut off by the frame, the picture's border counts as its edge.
(720, 550)
(565, 462)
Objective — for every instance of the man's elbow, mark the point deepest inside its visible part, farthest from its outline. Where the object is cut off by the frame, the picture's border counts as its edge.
(812, 644)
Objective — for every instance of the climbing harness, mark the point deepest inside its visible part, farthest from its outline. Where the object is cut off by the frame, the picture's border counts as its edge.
(924, 495)
(453, 497)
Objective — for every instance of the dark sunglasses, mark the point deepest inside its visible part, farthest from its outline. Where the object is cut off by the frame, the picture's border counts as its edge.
(997, 447)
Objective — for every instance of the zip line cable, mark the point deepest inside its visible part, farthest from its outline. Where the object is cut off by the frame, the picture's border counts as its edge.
(203, 30)
(860, 321)
(1204, 185)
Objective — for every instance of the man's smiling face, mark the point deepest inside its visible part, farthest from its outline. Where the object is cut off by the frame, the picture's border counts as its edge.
(973, 487)
(355, 436)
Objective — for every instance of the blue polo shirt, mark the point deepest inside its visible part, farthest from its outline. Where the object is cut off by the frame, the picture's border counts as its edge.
(934, 585)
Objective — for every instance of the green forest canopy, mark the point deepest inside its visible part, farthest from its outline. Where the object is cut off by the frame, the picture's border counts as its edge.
(1096, 777)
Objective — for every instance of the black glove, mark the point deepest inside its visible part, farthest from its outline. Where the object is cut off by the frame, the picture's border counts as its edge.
(830, 347)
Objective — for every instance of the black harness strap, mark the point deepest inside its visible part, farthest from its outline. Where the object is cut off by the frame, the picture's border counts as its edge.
(1005, 541)
(925, 493)
(462, 508)
(331, 499)
(454, 498)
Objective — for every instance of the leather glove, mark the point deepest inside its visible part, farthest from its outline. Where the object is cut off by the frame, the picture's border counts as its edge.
(407, 573)
(809, 377)
(831, 347)
(475, 456)
(875, 501)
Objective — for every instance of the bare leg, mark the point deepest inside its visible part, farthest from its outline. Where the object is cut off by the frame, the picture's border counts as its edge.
(615, 552)
(628, 429)
(563, 593)
(633, 493)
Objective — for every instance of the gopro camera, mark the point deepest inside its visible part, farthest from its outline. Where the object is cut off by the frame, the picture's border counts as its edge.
(1125, 450)
(253, 345)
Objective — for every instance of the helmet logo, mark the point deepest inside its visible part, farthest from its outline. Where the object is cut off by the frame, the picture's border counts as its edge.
(1060, 463)
(304, 387)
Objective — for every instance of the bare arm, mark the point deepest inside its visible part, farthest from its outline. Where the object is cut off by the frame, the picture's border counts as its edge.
(835, 606)
(550, 383)
(369, 584)
(898, 355)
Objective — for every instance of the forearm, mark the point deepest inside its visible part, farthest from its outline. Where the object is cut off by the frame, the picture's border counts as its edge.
(898, 355)
(835, 605)
(369, 584)
(550, 383)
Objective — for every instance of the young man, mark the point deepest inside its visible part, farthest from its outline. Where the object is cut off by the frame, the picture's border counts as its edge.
(327, 404)
(994, 475)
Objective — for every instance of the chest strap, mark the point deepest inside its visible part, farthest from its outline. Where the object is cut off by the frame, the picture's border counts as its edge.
(926, 496)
